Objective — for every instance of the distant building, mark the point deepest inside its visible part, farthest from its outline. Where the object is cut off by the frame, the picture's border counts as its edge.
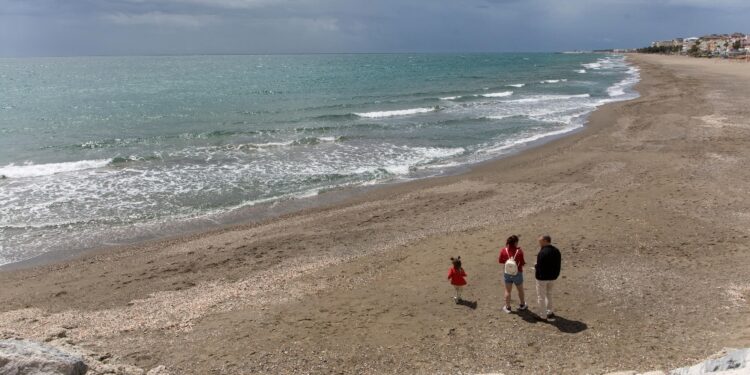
(688, 43)
(714, 44)
(739, 39)
(667, 43)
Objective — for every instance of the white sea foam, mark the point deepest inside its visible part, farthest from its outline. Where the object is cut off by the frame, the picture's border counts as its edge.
(398, 169)
(490, 95)
(401, 112)
(445, 165)
(608, 62)
(565, 116)
(569, 113)
(500, 117)
(424, 155)
(553, 80)
(516, 85)
(35, 170)
(410, 158)
(594, 65)
(124, 190)
(307, 194)
(430, 153)
(270, 144)
(618, 89)
(509, 144)
(541, 98)
(582, 71)
(498, 94)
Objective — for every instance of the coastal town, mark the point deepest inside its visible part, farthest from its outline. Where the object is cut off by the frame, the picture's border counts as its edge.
(735, 45)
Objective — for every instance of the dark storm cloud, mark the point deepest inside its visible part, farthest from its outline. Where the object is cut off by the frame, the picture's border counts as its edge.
(75, 27)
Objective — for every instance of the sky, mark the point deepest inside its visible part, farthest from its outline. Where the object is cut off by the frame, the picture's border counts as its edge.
(159, 27)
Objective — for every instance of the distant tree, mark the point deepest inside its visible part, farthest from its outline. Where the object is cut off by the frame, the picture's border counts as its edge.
(661, 49)
(737, 45)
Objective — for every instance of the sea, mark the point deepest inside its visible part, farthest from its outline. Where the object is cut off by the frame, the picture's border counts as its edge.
(103, 151)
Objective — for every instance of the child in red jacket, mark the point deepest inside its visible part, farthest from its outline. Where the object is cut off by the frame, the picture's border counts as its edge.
(457, 277)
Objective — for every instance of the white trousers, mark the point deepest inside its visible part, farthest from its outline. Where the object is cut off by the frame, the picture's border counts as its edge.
(544, 295)
(459, 288)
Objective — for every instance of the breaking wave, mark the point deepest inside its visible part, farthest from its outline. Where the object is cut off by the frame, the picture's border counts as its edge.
(400, 112)
(34, 170)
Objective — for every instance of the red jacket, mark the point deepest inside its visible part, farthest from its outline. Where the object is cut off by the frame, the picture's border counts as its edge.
(457, 276)
(507, 253)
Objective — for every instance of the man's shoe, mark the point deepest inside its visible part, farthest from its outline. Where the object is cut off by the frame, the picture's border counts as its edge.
(523, 307)
(550, 316)
(506, 309)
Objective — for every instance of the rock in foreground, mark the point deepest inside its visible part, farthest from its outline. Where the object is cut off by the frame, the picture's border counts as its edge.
(735, 362)
(21, 357)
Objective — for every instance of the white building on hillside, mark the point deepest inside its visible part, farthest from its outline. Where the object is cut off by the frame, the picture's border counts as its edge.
(688, 43)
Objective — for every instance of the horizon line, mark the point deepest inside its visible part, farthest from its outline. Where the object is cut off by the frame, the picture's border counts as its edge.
(299, 54)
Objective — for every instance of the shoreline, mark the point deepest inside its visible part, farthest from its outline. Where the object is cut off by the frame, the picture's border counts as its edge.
(268, 212)
(280, 208)
(644, 201)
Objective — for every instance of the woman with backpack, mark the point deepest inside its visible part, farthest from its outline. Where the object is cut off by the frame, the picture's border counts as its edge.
(511, 256)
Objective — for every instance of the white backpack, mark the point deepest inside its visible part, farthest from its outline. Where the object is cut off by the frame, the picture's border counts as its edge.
(511, 267)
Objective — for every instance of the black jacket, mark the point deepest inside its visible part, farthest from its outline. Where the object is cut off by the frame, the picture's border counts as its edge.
(548, 263)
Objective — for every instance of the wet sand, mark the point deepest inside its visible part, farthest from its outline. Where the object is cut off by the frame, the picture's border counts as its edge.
(649, 205)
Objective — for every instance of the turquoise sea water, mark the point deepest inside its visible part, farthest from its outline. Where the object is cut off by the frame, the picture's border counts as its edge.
(101, 150)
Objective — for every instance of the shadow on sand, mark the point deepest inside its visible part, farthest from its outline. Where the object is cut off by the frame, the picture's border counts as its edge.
(470, 304)
(562, 324)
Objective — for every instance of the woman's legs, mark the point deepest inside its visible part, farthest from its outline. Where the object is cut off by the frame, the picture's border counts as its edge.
(521, 294)
(508, 288)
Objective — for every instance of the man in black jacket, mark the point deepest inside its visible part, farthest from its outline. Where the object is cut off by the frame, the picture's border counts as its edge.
(547, 271)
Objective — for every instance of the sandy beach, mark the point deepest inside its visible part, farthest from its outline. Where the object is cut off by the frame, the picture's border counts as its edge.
(649, 205)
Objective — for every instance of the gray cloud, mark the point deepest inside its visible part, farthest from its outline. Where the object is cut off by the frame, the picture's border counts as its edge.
(227, 4)
(70, 27)
(161, 19)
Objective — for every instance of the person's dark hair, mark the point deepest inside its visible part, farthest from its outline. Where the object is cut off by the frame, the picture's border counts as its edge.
(512, 240)
(547, 238)
(456, 263)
